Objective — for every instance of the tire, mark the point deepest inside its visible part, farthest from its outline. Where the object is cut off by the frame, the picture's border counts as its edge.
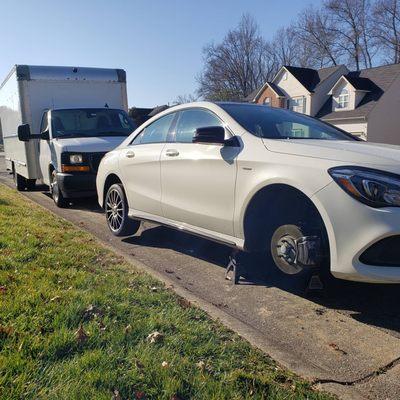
(116, 210)
(19, 181)
(56, 194)
(30, 184)
(284, 250)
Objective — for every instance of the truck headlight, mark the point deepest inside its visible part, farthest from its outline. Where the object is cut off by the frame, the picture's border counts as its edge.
(370, 186)
(76, 159)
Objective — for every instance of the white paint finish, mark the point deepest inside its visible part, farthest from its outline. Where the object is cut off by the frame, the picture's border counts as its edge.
(198, 185)
(143, 168)
(384, 119)
(201, 190)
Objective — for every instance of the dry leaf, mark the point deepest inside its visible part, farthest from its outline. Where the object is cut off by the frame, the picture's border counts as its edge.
(55, 298)
(116, 395)
(201, 365)
(184, 303)
(139, 395)
(80, 335)
(165, 364)
(3, 289)
(155, 337)
(128, 328)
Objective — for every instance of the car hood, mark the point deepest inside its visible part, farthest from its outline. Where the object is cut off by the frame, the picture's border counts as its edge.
(353, 152)
(90, 144)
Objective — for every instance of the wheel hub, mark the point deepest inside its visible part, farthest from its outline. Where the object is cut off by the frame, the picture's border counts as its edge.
(287, 249)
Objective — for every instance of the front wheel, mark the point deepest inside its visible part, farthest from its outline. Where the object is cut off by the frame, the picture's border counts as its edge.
(116, 209)
(56, 194)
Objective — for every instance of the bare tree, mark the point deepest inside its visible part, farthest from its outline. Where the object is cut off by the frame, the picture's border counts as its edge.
(352, 28)
(185, 98)
(284, 47)
(319, 43)
(238, 65)
(386, 21)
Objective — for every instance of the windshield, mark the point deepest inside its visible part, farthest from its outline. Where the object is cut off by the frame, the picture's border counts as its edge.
(91, 122)
(274, 123)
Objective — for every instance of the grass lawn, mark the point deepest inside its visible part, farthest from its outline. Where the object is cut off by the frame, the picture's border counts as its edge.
(75, 321)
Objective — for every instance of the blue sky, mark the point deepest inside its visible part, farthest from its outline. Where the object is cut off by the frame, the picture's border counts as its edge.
(158, 43)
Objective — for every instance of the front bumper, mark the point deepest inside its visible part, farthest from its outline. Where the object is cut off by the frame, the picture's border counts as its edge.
(77, 185)
(352, 228)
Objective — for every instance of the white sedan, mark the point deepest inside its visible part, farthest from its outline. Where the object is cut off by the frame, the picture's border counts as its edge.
(261, 179)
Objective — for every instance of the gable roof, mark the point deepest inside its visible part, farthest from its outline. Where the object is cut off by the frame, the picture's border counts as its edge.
(374, 80)
(255, 94)
(311, 78)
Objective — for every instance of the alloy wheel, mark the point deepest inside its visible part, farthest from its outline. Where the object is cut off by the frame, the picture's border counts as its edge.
(114, 210)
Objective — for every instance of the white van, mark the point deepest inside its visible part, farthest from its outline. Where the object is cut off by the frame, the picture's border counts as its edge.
(58, 122)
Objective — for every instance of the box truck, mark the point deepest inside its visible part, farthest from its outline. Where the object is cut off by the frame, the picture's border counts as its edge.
(58, 122)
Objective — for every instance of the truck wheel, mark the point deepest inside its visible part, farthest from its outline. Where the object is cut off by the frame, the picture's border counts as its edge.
(19, 181)
(116, 209)
(56, 192)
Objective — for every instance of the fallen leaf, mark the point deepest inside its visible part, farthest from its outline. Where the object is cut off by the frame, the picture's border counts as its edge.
(201, 365)
(80, 335)
(116, 395)
(334, 346)
(55, 298)
(154, 289)
(3, 289)
(139, 395)
(128, 328)
(184, 303)
(138, 364)
(92, 312)
(176, 397)
(155, 337)
(165, 364)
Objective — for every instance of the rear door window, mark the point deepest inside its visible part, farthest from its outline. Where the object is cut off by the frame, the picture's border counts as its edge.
(156, 132)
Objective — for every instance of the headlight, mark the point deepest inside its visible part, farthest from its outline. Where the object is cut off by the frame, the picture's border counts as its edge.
(370, 186)
(76, 159)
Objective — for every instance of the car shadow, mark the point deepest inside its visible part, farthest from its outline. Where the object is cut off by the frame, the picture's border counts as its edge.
(373, 304)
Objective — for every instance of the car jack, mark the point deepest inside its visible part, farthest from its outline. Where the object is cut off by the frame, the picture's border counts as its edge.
(234, 269)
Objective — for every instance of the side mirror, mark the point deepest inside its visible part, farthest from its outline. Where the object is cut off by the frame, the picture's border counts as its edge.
(45, 135)
(210, 134)
(24, 132)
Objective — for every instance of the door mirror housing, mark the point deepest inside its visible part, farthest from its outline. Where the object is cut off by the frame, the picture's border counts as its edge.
(45, 135)
(24, 132)
(210, 135)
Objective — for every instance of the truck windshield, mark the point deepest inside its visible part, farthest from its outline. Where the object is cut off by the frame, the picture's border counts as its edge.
(274, 123)
(91, 122)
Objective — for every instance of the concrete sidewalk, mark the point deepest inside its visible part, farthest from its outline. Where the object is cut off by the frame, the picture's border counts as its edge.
(335, 351)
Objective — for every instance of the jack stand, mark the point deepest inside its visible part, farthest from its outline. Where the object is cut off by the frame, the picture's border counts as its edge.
(233, 270)
(315, 285)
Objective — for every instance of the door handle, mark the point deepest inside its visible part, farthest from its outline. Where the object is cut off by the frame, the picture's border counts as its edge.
(172, 153)
(130, 154)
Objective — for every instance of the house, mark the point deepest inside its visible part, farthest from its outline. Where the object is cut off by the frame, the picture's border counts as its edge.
(304, 90)
(365, 103)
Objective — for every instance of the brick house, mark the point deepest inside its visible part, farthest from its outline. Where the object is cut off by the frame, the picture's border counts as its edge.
(365, 103)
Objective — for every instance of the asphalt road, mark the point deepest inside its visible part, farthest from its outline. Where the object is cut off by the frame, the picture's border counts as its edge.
(346, 338)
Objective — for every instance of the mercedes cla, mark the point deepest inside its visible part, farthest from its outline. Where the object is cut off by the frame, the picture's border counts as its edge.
(261, 179)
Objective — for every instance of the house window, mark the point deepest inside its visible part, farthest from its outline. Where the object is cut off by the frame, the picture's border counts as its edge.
(298, 104)
(267, 101)
(343, 99)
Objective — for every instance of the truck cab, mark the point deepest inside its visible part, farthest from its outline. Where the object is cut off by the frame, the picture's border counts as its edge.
(71, 144)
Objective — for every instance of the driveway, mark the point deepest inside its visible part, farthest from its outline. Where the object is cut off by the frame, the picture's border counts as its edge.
(345, 339)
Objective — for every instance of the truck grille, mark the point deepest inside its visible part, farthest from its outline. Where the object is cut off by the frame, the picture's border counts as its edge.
(94, 160)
